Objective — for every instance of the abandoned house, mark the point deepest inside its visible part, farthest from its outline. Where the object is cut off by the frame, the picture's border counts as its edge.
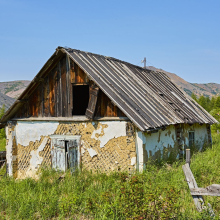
(97, 112)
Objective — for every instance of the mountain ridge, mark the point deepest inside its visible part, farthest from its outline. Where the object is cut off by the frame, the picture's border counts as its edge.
(10, 91)
(199, 89)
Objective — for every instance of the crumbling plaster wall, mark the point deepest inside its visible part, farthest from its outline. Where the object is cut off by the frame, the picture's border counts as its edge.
(201, 134)
(164, 144)
(104, 145)
(10, 147)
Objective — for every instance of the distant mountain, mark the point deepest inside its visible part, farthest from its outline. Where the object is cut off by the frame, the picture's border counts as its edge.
(209, 89)
(9, 91)
(6, 100)
(13, 88)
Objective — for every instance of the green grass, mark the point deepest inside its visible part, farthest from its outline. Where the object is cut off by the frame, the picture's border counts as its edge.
(160, 192)
(2, 144)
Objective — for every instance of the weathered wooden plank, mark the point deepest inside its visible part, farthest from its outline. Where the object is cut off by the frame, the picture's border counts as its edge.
(55, 89)
(188, 156)
(109, 111)
(69, 88)
(52, 93)
(212, 190)
(98, 105)
(72, 72)
(93, 96)
(31, 106)
(76, 68)
(46, 97)
(64, 88)
(103, 104)
(59, 91)
(24, 115)
(35, 96)
(40, 100)
(198, 199)
(81, 76)
(75, 118)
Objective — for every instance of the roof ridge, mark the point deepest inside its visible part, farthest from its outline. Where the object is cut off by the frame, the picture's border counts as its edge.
(68, 49)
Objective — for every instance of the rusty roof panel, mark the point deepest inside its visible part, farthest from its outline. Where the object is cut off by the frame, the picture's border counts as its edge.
(147, 97)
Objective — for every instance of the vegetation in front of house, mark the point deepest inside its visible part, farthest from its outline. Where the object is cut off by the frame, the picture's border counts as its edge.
(210, 105)
(160, 192)
(2, 132)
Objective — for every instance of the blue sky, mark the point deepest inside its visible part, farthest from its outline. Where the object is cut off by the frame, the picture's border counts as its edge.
(178, 36)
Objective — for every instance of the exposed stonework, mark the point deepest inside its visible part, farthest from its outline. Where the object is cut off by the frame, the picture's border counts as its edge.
(104, 146)
(110, 153)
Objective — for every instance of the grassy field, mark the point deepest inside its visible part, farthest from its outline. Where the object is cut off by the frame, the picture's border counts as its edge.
(160, 192)
(2, 144)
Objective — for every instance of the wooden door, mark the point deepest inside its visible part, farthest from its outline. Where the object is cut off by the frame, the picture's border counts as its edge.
(58, 154)
(73, 154)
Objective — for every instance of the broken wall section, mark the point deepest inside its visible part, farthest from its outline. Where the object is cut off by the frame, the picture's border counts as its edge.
(106, 145)
(170, 144)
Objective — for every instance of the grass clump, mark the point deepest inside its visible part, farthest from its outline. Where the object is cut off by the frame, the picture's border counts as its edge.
(160, 192)
(2, 144)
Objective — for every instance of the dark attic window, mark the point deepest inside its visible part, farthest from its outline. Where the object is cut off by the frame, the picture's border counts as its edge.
(80, 99)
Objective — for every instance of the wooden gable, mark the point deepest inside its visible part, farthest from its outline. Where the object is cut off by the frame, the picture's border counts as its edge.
(53, 97)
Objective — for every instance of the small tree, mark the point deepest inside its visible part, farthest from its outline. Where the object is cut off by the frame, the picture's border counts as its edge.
(212, 102)
(194, 97)
(217, 102)
(203, 102)
(216, 114)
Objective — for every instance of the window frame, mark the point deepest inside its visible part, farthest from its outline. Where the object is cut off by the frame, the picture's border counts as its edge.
(191, 138)
(66, 138)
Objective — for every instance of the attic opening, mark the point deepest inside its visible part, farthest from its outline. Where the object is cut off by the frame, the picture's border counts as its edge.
(80, 99)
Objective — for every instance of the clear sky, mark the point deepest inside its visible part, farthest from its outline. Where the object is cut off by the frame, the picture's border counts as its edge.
(179, 36)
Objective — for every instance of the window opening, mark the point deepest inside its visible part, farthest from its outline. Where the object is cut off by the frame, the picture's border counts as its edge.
(80, 99)
(191, 138)
(65, 152)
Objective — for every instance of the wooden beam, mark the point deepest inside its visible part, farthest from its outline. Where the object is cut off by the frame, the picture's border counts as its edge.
(74, 118)
(212, 190)
(198, 199)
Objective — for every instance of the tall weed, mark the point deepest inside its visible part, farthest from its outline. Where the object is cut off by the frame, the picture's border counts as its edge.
(160, 192)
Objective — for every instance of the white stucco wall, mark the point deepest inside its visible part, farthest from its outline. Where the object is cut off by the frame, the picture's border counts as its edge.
(154, 145)
(32, 131)
(159, 140)
(201, 135)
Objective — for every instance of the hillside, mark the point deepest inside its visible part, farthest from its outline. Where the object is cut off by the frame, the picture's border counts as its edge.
(13, 88)
(209, 89)
(4, 99)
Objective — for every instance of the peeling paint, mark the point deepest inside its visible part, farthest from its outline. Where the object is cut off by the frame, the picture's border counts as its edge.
(36, 159)
(32, 131)
(164, 144)
(10, 157)
(92, 152)
(104, 145)
(112, 130)
(133, 161)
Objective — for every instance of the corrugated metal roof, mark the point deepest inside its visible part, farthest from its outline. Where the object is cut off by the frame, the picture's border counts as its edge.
(148, 98)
